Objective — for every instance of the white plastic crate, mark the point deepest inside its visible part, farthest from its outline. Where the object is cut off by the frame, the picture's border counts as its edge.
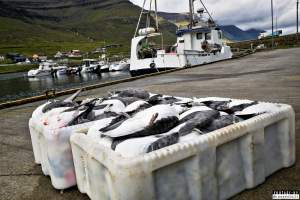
(217, 165)
(52, 150)
(34, 129)
(51, 144)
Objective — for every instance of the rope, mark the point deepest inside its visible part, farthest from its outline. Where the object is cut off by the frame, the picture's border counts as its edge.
(137, 27)
(156, 18)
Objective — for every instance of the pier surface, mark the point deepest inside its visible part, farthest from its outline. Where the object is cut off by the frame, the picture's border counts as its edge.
(272, 76)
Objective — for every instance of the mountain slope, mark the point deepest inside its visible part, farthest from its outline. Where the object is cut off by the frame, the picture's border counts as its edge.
(72, 23)
(234, 33)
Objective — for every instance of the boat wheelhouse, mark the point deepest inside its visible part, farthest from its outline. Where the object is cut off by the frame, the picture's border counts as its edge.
(89, 65)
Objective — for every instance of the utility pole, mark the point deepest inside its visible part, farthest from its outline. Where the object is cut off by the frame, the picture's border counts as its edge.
(191, 13)
(297, 17)
(272, 13)
(297, 20)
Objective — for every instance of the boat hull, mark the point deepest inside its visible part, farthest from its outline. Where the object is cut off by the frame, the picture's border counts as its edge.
(141, 72)
(168, 62)
(38, 74)
(106, 69)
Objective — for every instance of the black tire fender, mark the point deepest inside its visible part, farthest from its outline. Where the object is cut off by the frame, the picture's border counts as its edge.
(152, 65)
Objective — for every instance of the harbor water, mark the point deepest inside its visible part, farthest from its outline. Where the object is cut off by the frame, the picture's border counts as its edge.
(17, 85)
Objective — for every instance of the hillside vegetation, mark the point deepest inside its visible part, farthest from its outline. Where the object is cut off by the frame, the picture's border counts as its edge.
(46, 26)
(286, 41)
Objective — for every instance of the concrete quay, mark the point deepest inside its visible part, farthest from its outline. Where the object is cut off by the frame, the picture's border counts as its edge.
(272, 76)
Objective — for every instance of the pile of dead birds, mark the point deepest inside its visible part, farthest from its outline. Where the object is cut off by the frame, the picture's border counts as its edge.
(134, 122)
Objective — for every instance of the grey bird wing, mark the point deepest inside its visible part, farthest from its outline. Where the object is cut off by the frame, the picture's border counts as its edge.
(73, 97)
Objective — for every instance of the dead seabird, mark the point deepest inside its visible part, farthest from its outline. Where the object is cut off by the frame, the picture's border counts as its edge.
(69, 102)
(155, 120)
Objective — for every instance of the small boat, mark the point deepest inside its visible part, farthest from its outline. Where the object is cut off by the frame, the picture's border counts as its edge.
(45, 69)
(73, 70)
(121, 66)
(26, 62)
(62, 70)
(89, 65)
(105, 67)
(200, 42)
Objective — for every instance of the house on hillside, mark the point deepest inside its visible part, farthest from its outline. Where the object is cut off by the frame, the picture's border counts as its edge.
(100, 50)
(2, 58)
(38, 58)
(58, 55)
(35, 58)
(75, 54)
(43, 58)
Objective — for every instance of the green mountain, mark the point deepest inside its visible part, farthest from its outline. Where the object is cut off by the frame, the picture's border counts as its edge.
(45, 26)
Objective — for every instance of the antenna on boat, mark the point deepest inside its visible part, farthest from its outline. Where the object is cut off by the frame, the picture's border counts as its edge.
(192, 11)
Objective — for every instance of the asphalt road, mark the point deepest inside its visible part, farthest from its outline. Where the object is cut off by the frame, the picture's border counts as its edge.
(272, 76)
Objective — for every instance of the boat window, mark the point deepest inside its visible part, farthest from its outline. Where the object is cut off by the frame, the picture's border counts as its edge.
(181, 41)
(207, 36)
(199, 36)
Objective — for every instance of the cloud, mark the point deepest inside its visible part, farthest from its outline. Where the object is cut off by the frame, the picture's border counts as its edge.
(244, 13)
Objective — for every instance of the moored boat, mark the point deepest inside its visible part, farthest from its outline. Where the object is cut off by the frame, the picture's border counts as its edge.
(120, 66)
(62, 70)
(89, 65)
(200, 42)
(105, 67)
(45, 69)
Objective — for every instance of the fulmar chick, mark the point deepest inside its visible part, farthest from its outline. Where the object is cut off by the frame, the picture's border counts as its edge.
(138, 146)
(69, 102)
(155, 120)
(136, 107)
(162, 99)
(132, 92)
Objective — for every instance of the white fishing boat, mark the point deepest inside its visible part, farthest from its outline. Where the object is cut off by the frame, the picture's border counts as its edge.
(120, 66)
(199, 42)
(89, 65)
(45, 69)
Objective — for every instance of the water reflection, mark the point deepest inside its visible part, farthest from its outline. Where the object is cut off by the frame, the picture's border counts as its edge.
(18, 85)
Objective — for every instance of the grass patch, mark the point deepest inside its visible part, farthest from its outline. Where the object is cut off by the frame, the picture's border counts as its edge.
(5, 61)
(16, 68)
(282, 42)
(82, 26)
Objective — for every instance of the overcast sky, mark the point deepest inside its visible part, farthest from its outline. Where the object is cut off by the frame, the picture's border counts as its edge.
(243, 13)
